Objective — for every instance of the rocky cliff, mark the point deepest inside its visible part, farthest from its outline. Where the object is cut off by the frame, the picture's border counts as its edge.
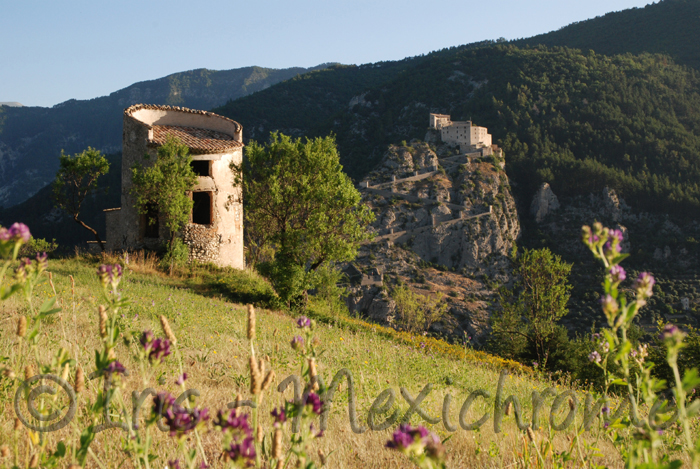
(445, 222)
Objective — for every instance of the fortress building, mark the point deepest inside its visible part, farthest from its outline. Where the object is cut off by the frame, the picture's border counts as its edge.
(468, 137)
(215, 231)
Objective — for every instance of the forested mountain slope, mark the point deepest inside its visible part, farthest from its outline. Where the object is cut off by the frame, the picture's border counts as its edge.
(669, 27)
(580, 121)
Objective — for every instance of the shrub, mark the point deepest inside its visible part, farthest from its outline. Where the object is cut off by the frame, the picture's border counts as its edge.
(416, 312)
(37, 246)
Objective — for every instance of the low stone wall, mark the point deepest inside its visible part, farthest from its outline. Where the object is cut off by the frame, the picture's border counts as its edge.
(203, 243)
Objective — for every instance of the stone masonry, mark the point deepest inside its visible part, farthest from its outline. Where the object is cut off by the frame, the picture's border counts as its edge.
(215, 231)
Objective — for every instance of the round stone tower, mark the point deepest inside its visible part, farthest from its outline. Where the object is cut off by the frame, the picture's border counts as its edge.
(215, 231)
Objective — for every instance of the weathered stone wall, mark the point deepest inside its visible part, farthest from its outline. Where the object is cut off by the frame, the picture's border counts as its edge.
(203, 243)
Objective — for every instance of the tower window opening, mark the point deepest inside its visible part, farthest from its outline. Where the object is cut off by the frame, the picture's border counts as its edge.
(201, 209)
(201, 167)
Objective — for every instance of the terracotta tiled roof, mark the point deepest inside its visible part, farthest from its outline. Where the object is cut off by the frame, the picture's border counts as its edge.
(131, 109)
(199, 141)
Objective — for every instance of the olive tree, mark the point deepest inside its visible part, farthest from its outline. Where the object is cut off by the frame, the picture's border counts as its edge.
(76, 179)
(302, 208)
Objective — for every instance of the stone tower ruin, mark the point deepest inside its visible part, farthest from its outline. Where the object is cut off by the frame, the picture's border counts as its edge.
(215, 231)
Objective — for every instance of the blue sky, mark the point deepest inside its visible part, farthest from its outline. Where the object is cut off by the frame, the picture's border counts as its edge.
(52, 51)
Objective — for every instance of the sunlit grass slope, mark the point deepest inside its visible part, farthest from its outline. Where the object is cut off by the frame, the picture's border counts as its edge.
(211, 331)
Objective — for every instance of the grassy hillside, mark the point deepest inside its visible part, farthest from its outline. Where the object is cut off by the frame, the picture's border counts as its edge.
(211, 332)
(670, 27)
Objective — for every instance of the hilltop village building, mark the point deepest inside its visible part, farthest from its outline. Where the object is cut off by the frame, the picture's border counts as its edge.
(468, 137)
(215, 231)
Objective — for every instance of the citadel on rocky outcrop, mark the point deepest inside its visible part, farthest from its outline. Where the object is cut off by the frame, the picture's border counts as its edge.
(215, 231)
(468, 137)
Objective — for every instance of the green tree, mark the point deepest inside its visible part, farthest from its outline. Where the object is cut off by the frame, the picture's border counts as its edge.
(299, 202)
(75, 180)
(416, 312)
(165, 185)
(526, 325)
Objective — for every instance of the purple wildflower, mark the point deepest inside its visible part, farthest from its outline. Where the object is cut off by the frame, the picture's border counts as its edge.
(535, 364)
(232, 421)
(617, 273)
(21, 272)
(180, 421)
(242, 452)
(303, 322)
(644, 285)
(109, 275)
(315, 402)
(146, 338)
(114, 367)
(298, 342)
(242, 446)
(594, 356)
(279, 415)
(616, 236)
(181, 379)
(174, 464)
(406, 438)
(18, 232)
(157, 349)
(609, 304)
(422, 345)
(612, 248)
(42, 261)
(672, 333)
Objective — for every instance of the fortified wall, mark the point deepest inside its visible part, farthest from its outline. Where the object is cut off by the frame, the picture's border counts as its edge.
(215, 230)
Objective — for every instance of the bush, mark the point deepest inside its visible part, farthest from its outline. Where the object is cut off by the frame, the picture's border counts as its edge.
(329, 295)
(177, 255)
(36, 246)
(416, 312)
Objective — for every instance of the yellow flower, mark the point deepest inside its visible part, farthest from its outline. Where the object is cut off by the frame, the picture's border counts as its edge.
(342, 338)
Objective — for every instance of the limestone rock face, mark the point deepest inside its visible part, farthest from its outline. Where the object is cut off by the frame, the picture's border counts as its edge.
(544, 202)
(447, 229)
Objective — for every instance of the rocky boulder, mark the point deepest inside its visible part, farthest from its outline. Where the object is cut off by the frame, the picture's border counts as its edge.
(544, 202)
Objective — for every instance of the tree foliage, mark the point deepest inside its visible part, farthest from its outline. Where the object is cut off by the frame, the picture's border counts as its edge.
(76, 180)
(416, 312)
(165, 185)
(526, 325)
(300, 203)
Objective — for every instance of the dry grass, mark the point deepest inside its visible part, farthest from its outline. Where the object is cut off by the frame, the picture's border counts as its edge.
(212, 337)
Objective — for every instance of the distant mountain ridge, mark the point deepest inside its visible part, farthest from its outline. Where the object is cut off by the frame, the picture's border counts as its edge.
(31, 138)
